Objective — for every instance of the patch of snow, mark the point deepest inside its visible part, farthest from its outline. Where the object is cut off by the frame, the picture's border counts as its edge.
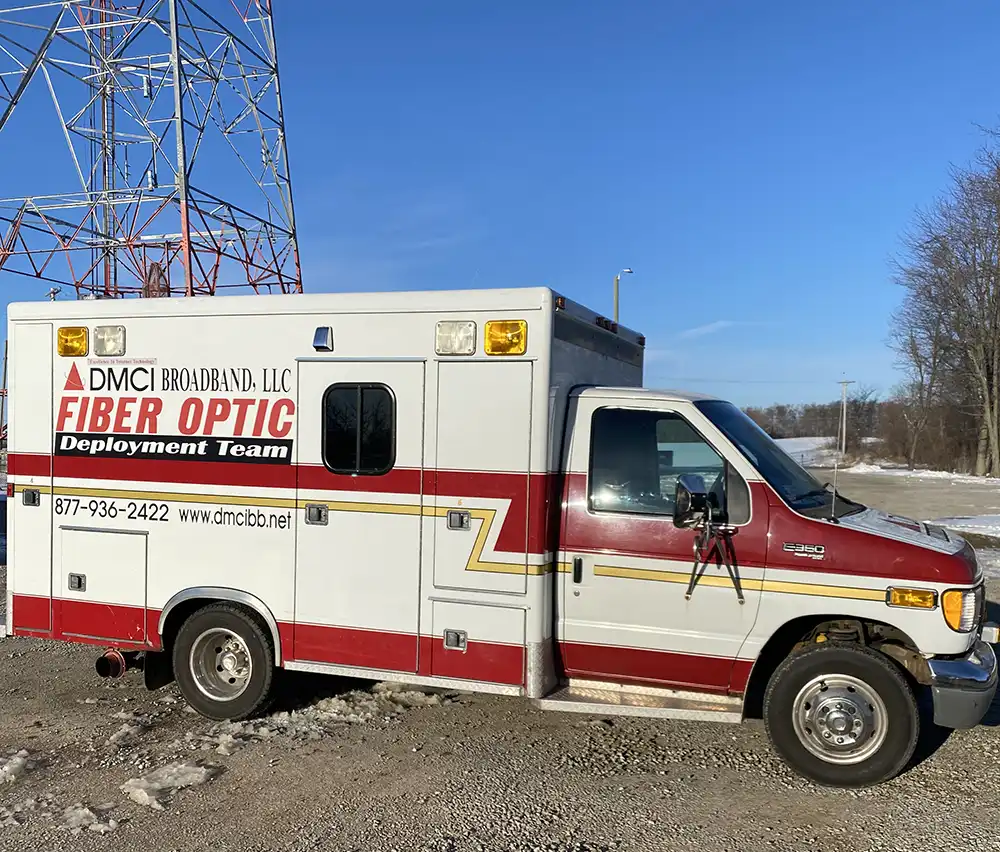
(77, 818)
(885, 470)
(863, 467)
(125, 735)
(982, 524)
(14, 768)
(810, 452)
(989, 561)
(157, 788)
(383, 701)
(17, 814)
(224, 738)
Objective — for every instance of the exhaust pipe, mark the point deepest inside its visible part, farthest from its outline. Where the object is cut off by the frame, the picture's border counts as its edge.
(114, 663)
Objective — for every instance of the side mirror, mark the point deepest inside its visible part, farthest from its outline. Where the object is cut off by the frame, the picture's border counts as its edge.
(691, 500)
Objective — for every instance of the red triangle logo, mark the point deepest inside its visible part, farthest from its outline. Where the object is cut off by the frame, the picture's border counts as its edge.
(73, 380)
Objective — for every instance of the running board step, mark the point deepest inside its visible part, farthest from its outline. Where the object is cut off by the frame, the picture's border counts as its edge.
(605, 699)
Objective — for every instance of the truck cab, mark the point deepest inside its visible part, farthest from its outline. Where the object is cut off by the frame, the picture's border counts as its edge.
(772, 591)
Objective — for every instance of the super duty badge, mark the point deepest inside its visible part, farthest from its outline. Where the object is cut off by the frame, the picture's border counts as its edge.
(808, 551)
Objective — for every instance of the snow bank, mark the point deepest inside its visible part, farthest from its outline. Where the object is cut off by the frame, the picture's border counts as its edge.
(14, 767)
(157, 788)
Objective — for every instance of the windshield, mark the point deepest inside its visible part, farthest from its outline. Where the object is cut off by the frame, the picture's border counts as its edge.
(802, 491)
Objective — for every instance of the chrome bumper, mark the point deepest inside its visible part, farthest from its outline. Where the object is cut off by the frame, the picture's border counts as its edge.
(963, 687)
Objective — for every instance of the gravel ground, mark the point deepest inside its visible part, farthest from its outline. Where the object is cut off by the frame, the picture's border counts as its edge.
(348, 766)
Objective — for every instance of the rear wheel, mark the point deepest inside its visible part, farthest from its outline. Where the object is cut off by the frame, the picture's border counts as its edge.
(842, 715)
(224, 662)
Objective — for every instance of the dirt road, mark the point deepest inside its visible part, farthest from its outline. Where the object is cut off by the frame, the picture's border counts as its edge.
(337, 769)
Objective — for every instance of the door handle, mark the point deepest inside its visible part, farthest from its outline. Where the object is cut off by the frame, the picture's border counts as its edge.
(577, 569)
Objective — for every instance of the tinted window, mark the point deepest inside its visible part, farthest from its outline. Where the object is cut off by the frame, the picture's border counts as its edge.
(359, 429)
(637, 456)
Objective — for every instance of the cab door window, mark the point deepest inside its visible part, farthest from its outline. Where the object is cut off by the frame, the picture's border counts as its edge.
(637, 456)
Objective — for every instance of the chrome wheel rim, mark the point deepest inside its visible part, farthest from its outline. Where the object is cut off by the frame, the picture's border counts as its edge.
(840, 719)
(221, 664)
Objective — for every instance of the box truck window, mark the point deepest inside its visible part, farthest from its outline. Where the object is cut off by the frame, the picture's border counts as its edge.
(359, 429)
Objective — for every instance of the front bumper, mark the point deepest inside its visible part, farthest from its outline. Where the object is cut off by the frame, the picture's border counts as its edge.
(963, 687)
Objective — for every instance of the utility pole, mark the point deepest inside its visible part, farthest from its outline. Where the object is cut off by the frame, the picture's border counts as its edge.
(618, 278)
(843, 416)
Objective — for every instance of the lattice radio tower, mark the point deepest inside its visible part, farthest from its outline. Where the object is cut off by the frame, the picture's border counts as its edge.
(171, 116)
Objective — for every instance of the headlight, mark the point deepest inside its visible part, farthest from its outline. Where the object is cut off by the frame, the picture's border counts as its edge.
(961, 608)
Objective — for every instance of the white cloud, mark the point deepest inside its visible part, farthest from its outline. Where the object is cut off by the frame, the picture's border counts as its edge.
(708, 328)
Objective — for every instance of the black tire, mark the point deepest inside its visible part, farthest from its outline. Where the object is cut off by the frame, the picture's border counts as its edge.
(258, 692)
(876, 672)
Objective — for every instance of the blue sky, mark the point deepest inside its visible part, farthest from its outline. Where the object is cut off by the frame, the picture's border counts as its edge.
(754, 163)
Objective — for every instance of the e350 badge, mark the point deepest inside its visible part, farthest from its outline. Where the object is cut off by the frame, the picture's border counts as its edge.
(807, 551)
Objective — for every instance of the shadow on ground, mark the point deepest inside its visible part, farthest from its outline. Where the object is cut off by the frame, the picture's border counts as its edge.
(296, 690)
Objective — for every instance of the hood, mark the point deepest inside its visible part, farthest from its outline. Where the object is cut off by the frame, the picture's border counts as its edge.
(897, 528)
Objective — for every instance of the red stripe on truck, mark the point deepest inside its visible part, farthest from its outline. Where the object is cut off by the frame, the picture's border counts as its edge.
(119, 626)
(525, 527)
(348, 646)
(483, 661)
(28, 464)
(655, 668)
(85, 621)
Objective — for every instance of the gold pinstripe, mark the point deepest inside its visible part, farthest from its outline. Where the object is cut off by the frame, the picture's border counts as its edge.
(486, 517)
(475, 562)
(754, 585)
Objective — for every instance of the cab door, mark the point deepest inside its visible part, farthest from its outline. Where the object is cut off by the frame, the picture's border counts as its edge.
(625, 566)
(360, 451)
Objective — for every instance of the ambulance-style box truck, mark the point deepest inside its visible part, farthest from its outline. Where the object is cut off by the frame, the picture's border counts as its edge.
(469, 490)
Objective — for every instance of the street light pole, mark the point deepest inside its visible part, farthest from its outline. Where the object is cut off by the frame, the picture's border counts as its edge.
(618, 278)
(843, 416)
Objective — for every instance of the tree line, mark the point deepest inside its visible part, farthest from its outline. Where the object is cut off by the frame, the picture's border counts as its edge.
(881, 429)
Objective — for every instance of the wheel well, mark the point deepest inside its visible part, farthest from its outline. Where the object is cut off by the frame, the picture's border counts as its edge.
(180, 613)
(184, 609)
(822, 628)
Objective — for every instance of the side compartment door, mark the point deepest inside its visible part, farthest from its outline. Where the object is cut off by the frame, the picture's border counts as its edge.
(29, 576)
(626, 568)
(360, 501)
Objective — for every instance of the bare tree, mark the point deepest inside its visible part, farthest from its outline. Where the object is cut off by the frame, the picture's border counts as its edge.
(948, 328)
(920, 338)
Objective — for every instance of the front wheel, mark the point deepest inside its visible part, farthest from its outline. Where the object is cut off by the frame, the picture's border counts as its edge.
(842, 715)
(224, 663)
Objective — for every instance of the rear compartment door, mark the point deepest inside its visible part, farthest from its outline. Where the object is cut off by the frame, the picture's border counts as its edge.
(360, 500)
(29, 466)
